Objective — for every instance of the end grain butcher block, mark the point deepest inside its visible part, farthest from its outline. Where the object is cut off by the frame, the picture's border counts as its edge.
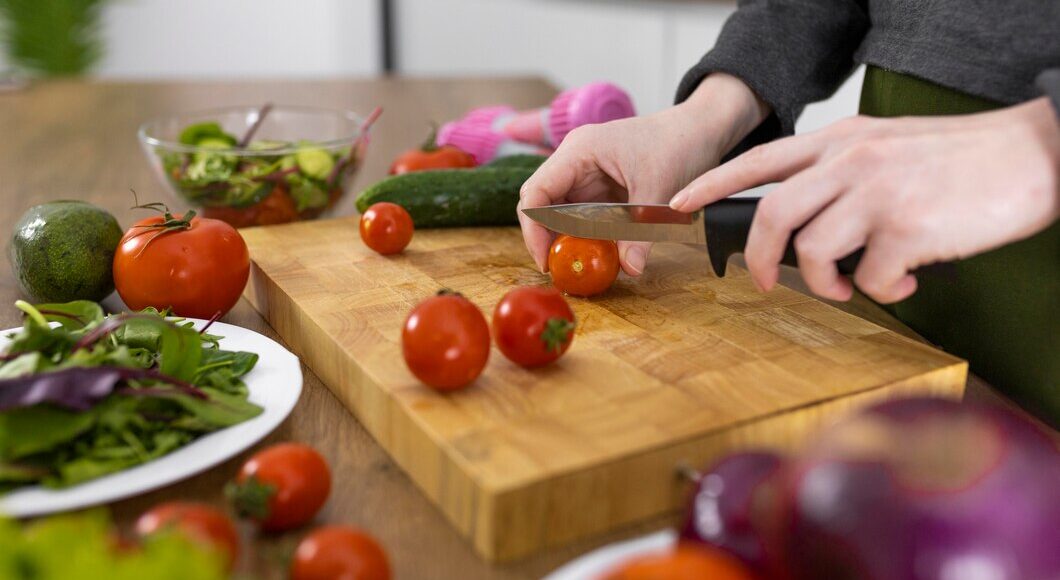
(677, 366)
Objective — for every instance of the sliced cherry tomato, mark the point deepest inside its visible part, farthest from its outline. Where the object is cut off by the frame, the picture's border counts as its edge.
(339, 552)
(386, 228)
(446, 341)
(198, 522)
(281, 487)
(431, 156)
(583, 267)
(683, 563)
(533, 326)
(198, 267)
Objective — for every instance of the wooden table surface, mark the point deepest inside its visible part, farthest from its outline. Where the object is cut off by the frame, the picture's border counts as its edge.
(77, 140)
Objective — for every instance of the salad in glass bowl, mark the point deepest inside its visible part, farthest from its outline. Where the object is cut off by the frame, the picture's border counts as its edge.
(255, 166)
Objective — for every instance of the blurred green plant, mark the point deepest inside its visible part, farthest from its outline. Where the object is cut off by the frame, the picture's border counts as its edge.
(51, 37)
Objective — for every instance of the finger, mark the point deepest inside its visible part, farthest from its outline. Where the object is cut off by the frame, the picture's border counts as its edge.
(780, 213)
(763, 164)
(835, 233)
(633, 256)
(537, 238)
(547, 186)
(883, 273)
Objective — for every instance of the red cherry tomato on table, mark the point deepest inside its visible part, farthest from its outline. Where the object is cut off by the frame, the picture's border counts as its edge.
(196, 267)
(533, 326)
(430, 156)
(282, 487)
(198, 522)
(582, 267)
(386, 228)
(446, 341)
(338, 552)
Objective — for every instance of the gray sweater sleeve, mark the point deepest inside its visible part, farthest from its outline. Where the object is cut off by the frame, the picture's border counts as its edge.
(790, 52)
(1048, 82)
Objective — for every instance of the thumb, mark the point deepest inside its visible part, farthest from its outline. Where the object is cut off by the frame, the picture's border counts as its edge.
(633, 256)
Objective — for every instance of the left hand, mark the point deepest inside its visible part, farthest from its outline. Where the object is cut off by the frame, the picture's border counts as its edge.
(911, 191)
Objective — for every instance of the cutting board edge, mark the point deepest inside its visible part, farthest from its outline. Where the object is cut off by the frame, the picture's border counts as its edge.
(530, 509)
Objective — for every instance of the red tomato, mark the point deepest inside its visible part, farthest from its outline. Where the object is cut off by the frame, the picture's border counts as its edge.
(339, 553)
(199, 522)
(281, 487)
(198, 267)
(583, 267)
(386, 228)
(683, 563)
(533, 326)
(446, 341)
(431, 156)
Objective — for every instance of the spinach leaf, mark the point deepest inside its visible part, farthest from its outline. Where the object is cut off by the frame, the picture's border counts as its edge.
(74, 315)
(31, 430)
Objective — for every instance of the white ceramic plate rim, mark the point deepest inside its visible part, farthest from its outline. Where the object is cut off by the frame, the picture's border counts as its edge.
(275, 384)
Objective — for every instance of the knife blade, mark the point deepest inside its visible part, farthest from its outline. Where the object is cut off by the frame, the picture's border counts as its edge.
(722, 227)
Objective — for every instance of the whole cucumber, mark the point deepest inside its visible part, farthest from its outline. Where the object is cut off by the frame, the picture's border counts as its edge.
(449, 198)
(522, 160)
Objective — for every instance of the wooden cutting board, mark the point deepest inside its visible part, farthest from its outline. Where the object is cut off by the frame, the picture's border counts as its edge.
(675, 367)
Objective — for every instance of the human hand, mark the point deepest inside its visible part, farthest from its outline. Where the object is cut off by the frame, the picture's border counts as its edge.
(641, 159)
(911, 191)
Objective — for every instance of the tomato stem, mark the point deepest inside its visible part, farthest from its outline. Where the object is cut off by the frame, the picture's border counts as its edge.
(431, 143)
(169, 223)
(250, 498)
(557, 333)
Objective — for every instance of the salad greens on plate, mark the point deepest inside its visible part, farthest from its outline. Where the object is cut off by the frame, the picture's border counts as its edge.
(83, 395)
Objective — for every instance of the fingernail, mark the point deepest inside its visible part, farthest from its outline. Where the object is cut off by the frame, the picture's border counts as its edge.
(678, 200)
(635, 258)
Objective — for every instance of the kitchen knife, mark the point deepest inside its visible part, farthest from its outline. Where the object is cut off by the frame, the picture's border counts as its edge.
(722, 226)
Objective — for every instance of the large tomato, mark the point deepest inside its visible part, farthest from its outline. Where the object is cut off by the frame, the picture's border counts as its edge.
(199, 522)
(533, 326)
(446, 341)
(282, 487)
(386, 228)
(683, 563)
(338, 552)
(431, 156)
(582, 267)
(196, 267)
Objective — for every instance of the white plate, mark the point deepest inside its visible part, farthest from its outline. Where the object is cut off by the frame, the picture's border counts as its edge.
(275, 384)
(602, 560)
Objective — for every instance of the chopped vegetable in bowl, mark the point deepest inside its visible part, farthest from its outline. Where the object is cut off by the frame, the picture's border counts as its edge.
(286, 164)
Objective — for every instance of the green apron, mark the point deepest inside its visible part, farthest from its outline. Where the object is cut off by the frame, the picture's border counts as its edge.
(1002, 313)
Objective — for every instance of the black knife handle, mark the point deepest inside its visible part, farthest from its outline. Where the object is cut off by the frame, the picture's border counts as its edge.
(728, 223)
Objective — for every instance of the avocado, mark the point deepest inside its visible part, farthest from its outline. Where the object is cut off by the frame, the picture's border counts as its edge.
(63, 251)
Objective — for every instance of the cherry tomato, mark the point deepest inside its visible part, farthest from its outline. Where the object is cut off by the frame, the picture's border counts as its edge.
(386, 228)
(583, 267)
(431, 156)
(683, 563)
(199, 522)
(197, 267)
(533, 326)
(282, 487)
(446, 341)
(339, 552)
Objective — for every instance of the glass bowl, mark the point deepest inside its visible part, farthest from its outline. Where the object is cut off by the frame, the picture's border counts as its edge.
(255, 166)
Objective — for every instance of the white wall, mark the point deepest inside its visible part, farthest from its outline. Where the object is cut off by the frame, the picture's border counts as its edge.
(240, 38)
(642, 45)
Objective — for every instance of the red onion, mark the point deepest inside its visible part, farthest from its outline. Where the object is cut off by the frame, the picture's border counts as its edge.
(729, 504)
(926, 489)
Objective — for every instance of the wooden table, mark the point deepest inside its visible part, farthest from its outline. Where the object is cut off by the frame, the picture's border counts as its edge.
(77, 140)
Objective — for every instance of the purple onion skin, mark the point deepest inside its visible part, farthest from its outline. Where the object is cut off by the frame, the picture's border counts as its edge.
(721, 512)
(983, 503)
